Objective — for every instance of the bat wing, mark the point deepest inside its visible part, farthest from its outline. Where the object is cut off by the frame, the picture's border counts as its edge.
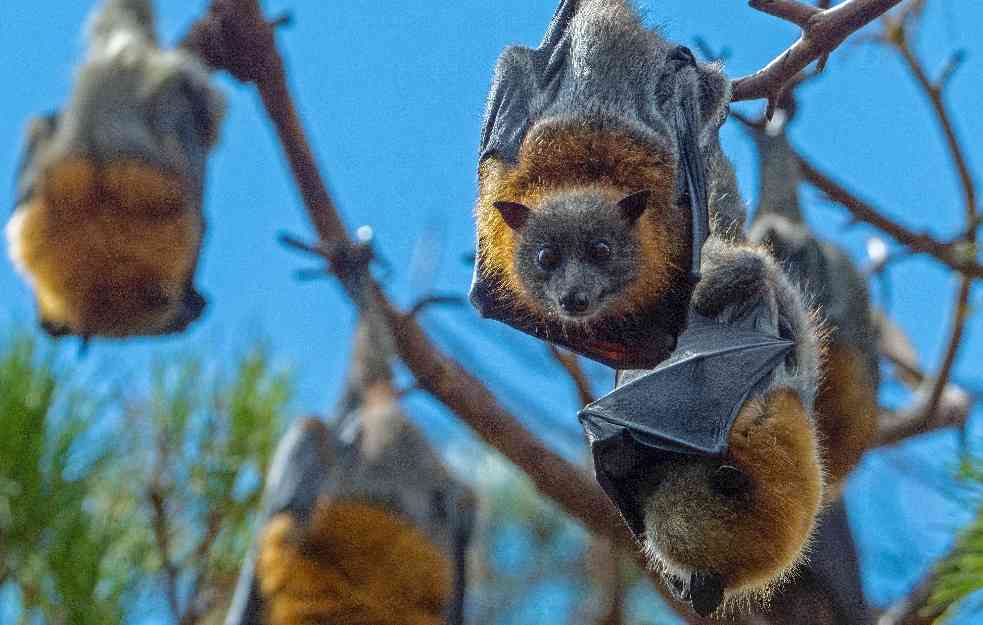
(462, 529)
(524, 79)
(303, 458)
(39, 132)
(686, 405)
(835, 564)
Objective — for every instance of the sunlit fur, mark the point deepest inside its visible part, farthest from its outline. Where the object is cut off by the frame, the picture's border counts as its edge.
(754, 540)
(104, 246)
(562, 157)
(355, 565)
(846, 411)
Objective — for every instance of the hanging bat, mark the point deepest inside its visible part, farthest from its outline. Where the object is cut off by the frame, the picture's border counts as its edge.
(600, 177)
(712, 456)
(846, 402)
(108, 224)
(361, 523)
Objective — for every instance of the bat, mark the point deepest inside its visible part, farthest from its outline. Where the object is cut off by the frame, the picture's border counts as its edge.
(107, 224)
(360, 523)
(600, 178)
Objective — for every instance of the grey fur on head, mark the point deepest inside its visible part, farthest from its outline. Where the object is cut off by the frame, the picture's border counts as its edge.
(599, 64)
(117, 17)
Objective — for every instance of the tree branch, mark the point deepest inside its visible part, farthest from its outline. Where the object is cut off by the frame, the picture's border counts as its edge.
(793, 11)
(912, 609)
(163, 540)
(822, 31)
(947, 253)
(952, 409)
(234, 36)
(943, 405)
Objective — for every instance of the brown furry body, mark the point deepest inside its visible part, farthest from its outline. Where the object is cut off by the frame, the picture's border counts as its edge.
(846, 411)
(559, 157)
(109, 249)
(754, 539)
(356, 565)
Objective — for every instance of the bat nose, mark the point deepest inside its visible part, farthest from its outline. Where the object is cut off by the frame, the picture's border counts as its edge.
(575, 302)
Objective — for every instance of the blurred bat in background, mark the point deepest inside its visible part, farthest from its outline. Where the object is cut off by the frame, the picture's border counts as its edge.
(361, 523)
(107, 225)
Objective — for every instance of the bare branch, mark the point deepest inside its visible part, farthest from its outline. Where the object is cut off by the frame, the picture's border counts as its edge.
(953, 255)
(822, 32)
(897, 37)
(913, 608)
(233, 36)
(951, 408)
(162, 536)
(799, 13)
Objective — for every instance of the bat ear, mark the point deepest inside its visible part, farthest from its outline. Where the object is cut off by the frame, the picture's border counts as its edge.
(632, 206)
(515, 215)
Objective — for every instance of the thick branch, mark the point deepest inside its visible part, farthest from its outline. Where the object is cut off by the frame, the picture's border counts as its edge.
(822, 32)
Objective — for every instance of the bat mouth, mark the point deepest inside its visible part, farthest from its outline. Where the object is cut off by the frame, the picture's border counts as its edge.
(703, 590)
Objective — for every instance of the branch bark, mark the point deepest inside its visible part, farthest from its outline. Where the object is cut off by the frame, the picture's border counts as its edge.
(822, 32)
(862, 211)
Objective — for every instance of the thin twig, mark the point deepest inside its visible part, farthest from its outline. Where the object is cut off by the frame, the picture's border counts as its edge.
(822, 32)
(913, 608)
(934, 92)
(947, 253)
(163, 540)
(799, 13)
(213, 527)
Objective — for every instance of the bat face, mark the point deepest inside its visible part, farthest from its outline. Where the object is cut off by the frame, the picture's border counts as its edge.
(108, 225)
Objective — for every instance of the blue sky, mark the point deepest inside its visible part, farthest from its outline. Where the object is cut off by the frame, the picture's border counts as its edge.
(392, 95)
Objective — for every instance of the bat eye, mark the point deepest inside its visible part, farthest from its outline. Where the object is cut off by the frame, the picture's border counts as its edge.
(600, 251)
(729, 481)
(548, 259)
